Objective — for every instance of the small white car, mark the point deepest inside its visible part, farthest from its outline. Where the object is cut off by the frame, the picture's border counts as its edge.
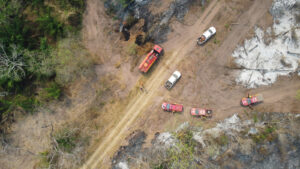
(206, 35)
(172, 80)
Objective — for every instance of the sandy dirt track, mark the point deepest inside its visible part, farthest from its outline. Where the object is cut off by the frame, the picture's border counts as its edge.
(212, 77)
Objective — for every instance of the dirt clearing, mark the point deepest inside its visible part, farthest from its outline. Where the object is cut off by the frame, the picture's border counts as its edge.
(207, 80)
(139, 104)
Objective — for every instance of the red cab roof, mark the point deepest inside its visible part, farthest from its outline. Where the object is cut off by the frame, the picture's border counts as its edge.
(157, 48)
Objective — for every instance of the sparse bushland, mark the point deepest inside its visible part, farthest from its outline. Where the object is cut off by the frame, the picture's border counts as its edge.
(268, 133)
(40, 51)
(71, 60)
(222, 146)
(52, 92)
(66, 138)
(67, 149)
(181, 155)
(132, 49)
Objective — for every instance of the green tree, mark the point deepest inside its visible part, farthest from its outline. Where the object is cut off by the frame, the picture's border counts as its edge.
(49, 25)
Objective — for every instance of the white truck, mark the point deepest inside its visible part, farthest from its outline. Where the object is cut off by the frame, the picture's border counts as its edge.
(172, 80)
(206, 35)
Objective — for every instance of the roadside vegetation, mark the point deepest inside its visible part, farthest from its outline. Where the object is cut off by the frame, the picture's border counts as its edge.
(66, 149)
(40, 52)
(181, 155)
(268, 133)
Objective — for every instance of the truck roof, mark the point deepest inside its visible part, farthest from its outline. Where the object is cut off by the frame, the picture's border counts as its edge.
(174, 77)
(157, 48)
(209, 32)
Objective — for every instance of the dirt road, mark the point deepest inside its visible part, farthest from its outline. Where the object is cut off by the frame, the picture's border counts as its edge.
(212, 80)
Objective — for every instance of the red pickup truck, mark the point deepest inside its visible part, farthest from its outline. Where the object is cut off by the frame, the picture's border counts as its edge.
(172, 107)
(150, 58)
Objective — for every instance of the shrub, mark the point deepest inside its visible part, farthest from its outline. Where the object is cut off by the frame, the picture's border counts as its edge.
(125, 3)
(27, 103)
(185, 137)
(267, 134)
(62, 153)
(13, 30)
(181, 157)
(132, 49)
(66, 4)
(5, 106)
(37, 3)
(80, 4)
(44, 162)
(227, 26)
(66, 139)
(11, 63)
(40, 64)
(75, 19)
(130, 21)
(216, 41)
(222, 140)
(52, 92)
(160, 166)
(255, 120)
(49, 25)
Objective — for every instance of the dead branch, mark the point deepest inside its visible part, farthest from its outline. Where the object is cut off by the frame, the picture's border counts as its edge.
(245, 50)
(253, 48)
(11, 66)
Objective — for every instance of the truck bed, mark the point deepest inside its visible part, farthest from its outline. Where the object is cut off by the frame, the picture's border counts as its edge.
(259, 97)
